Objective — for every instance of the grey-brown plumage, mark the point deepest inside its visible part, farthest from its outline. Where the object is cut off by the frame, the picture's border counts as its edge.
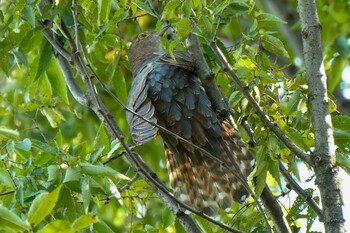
(168, 92)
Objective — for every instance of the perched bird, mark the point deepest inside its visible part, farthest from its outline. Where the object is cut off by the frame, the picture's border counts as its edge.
(168, 92)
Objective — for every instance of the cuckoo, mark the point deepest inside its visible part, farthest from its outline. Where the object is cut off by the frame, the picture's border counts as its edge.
(167, 92)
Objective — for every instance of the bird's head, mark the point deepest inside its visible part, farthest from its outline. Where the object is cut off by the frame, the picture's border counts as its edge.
(143, 46)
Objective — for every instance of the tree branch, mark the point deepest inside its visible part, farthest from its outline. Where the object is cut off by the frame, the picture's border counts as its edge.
(207, 77)
(323, 158)
(306, 197)
(241, 87)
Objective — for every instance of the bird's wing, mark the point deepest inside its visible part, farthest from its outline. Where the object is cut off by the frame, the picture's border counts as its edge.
(182, 106)
(138, 101)
(180, 59)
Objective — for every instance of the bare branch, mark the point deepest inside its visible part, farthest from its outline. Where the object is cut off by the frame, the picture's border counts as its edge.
(207, 77)
(300, 191)
(275, 211)
(7, 193)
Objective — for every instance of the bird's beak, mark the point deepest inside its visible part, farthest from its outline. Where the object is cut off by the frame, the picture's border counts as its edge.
(163, 30)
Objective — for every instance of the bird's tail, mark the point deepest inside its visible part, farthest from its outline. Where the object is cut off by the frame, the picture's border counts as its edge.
(206, 183)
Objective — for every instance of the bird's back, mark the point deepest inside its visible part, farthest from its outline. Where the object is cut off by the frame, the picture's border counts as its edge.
(182, 106)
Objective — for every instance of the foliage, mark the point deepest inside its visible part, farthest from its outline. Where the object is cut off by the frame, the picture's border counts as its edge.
(58, 167)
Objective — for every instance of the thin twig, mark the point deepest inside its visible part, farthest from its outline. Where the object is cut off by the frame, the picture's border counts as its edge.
(122, 189)
(7, 193)
(301, 192)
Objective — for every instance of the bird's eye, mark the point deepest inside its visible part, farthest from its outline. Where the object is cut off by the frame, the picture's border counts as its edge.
(143, 35)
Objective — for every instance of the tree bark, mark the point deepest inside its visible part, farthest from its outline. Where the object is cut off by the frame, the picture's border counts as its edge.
(323, 158)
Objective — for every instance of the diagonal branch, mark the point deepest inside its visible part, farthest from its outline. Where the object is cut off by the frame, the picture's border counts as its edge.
(228, 69)
(306, 197)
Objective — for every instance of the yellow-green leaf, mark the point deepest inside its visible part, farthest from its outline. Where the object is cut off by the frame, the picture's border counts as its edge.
(274, 45)
(45, 90)
(72, 174)
(268, 20)
(183, 28)
(11, 133)
(84, 221)
(58, 226)
(170, 8)
(43, 205)
(95, 170)
(10, 222)
(205, 26)
(6, 179)
(57, 81)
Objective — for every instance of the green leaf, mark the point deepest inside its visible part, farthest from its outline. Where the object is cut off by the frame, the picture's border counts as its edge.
(186, 8)
(338, 65)
(6, 179)
(274, 45)
(266, 20)
(341, 122)
(205, 225)
(167, 218)
(45, 58)
(43, 146)
(72, 174)
(95, 170)
(10, 133)
(298, 138)
(143, 6)
(206, 27)
(273, 146)
(42, 206)
(94, 155)
(261, 168)
(275, 172)
(10, 222)
(45, 90)
(102, 139)
(178, 227)
(293, 102)
(115, 145)
(54, 173)
(263, 61)
(85, 192)
(183, 28)
(120, 85)
(341, 137)
(261, 179)
(170, 8)
(52, 116)
(102, 227)
(58, 226)
(343, 160)
(20, 57)
(84, 221)
(25, 145)
(29, 15)
(58, 83)
(104, 7)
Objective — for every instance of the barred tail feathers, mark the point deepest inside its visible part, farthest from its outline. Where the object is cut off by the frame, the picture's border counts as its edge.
(205, 183)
